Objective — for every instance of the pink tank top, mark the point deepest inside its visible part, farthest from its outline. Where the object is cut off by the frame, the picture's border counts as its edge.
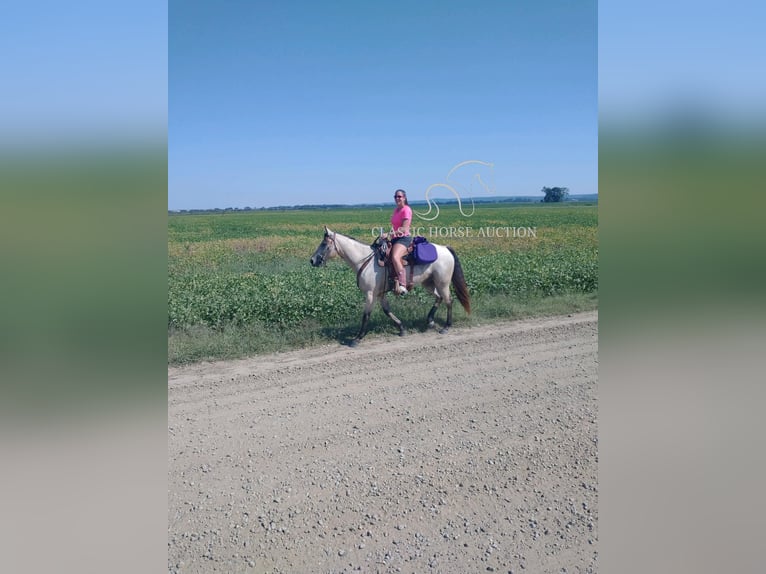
(399, 216)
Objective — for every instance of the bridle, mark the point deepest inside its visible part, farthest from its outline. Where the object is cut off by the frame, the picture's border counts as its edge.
(331, 243)
(322, 255)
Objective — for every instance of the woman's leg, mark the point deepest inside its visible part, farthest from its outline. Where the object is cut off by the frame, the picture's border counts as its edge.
(397, 252)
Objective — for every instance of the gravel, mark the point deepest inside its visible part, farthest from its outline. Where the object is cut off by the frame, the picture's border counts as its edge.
(466, 452)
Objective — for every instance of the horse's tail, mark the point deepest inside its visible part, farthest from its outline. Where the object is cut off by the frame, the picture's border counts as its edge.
(458, 281)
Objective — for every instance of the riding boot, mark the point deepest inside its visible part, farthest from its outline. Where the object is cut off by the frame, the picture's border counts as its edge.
(400, 288)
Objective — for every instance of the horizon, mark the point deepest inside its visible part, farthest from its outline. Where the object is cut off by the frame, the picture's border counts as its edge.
(440, 200)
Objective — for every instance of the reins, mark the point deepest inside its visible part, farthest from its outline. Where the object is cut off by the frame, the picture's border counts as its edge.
(365, 263)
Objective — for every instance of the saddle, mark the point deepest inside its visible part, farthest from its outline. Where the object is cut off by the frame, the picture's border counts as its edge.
(382, 248)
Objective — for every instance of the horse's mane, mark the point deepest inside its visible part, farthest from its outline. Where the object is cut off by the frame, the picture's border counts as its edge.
(352, 238)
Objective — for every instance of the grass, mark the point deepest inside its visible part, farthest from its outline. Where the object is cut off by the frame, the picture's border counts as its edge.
(202, 343)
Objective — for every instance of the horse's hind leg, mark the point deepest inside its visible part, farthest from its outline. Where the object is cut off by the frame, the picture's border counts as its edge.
(443, 294)
(448, 324)
(429, 286)
(432, 312)
(387, 310)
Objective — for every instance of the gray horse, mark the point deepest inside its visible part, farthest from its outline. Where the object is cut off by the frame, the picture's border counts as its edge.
(371, 278)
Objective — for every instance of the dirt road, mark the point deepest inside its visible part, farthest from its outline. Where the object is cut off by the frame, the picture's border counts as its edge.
(470, 452)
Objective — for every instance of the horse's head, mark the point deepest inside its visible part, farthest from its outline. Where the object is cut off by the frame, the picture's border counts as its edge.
(326, 249)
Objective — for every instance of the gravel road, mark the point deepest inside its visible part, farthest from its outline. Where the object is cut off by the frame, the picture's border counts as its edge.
(475, 451)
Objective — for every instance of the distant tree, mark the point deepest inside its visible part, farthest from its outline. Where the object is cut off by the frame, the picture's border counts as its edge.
(555, 194)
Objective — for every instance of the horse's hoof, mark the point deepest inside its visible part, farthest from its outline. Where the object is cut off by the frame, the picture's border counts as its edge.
(353, 342)
(431, 325)
(444, 331)
(402, 332)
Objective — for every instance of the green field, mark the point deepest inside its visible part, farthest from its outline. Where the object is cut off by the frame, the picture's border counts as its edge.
(240, 283)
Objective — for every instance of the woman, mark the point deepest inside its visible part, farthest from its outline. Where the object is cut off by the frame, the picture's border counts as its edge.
(400, 238)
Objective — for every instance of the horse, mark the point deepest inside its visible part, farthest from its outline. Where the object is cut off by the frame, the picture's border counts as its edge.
(372, 279)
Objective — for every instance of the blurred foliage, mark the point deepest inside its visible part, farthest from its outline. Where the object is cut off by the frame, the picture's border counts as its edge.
(680, 215)
(83, 252)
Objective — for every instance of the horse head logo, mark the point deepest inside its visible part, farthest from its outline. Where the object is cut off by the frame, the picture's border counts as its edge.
(461, 181)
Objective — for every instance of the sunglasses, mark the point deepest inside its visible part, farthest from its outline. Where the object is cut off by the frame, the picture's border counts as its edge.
(398, 196)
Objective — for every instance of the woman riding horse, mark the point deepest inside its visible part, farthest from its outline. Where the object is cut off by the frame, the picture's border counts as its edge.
(400, 238)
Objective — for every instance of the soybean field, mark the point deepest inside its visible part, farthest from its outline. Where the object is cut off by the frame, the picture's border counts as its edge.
(240, 282)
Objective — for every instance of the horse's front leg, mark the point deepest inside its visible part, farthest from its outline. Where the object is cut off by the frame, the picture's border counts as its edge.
(387, 310)
(368, 302)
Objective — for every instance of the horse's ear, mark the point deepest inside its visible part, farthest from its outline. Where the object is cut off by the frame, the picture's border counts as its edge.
(326, 231)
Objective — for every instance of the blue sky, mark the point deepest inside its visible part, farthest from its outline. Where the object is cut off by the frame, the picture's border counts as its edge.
(85, 69)
(284, 103)
(657, 58)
